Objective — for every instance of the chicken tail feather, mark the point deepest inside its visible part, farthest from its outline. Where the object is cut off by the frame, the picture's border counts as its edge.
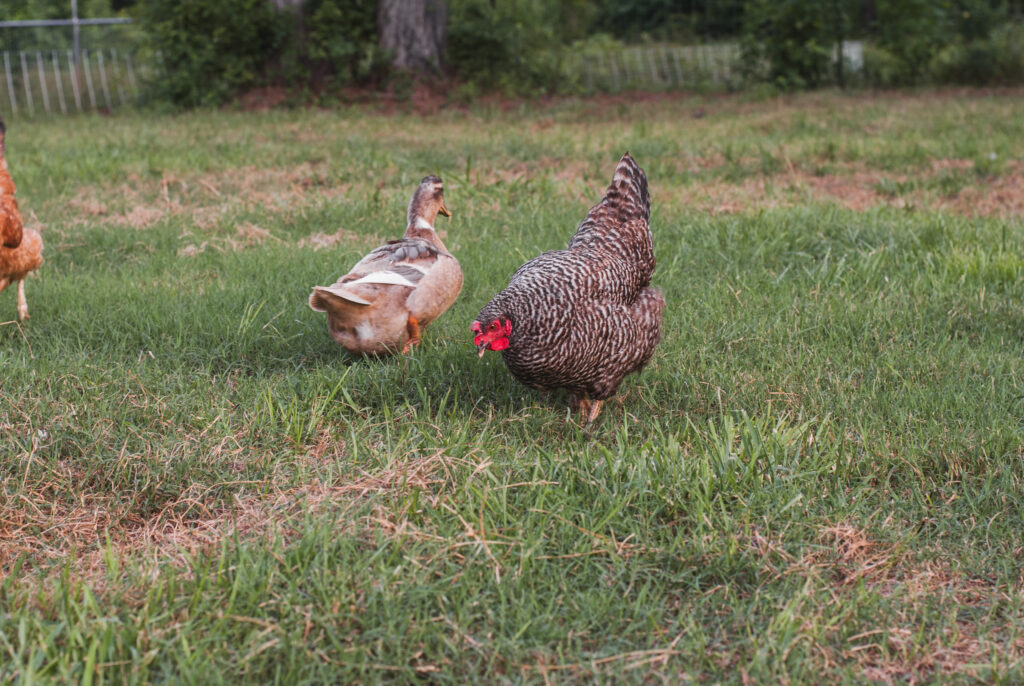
(628, 189)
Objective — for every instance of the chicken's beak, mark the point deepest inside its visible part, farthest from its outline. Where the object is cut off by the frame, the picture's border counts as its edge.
(481, 350)
(444, 210)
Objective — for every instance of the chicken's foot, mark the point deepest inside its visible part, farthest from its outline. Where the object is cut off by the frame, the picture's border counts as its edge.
(589, 409)
(583, 403)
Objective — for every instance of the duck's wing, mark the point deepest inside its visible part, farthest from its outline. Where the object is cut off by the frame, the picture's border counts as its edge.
(401, 263)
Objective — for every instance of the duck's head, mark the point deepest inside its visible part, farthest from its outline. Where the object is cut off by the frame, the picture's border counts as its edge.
(427, 202)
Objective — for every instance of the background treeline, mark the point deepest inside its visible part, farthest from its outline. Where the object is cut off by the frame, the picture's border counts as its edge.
(211, 50)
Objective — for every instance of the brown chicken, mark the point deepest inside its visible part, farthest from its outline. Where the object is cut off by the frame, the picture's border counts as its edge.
(21, 249)
(585, 317)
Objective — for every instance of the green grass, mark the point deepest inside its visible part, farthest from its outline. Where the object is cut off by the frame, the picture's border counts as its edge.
(818, 478)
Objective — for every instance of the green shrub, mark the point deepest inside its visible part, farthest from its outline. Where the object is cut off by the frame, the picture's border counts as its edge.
(943, 41)
(788, 42)
(908, 34)
(211, 50)
(883, 68)
(1008, 54)
(341, 41)
(995, 59)
(510, 46)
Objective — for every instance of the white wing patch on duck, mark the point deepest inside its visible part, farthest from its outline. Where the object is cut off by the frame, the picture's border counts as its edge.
(400, 274)
(388, 278)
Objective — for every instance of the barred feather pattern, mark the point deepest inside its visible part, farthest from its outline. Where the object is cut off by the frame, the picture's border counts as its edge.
(585, 317)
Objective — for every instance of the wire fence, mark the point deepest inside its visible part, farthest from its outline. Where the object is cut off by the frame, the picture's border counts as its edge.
(656, 67)
(50, 82)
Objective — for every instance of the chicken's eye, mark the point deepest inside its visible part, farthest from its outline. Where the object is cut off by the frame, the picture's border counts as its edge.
(493, 326)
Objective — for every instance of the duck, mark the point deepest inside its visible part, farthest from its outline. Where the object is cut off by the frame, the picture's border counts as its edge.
(382, 305)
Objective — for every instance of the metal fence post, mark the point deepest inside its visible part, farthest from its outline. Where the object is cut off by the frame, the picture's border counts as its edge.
(10, 82)
(42, 81)
(88, 78)
(26, 83)
(75, 88)
(59, 79)
(77, 30)
(103, 78)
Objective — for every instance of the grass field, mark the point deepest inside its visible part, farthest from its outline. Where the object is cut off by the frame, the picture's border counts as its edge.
(818, 478)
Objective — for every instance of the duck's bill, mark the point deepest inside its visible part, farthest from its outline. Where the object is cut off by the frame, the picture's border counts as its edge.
(444, 211)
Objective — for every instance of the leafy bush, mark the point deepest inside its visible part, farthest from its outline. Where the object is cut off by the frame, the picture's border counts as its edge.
(341, 40)
(788, 42)
(211, 50)
(121, 36)
(943, 41)
(908, 33)
(511, 46)
(884, 69)
(995, 59)
(668, 20)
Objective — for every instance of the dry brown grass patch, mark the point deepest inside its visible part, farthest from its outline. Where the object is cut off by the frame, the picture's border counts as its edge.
(320, 241)
(47, 531)
(901, 652)
(859, 189)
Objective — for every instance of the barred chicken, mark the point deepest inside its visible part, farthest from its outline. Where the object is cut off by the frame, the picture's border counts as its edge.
(21, 249)
(583, 318)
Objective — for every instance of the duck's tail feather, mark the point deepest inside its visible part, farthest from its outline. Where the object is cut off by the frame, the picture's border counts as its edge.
(330, 298)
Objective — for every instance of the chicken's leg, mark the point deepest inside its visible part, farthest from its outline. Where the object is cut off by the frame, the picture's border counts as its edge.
(22, 303)
(413, 327)
(589, 409)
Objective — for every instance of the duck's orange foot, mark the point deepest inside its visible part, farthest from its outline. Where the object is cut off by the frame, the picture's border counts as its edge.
(412, 326)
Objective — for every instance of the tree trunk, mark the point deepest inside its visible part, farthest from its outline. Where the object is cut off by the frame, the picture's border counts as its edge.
(414, 31)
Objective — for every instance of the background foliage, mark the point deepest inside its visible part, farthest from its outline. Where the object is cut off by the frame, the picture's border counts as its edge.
(214, 51)
(56, 38)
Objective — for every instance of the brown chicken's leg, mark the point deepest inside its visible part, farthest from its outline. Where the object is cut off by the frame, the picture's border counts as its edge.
(595, 409)
(413, 327)
(22, 303)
